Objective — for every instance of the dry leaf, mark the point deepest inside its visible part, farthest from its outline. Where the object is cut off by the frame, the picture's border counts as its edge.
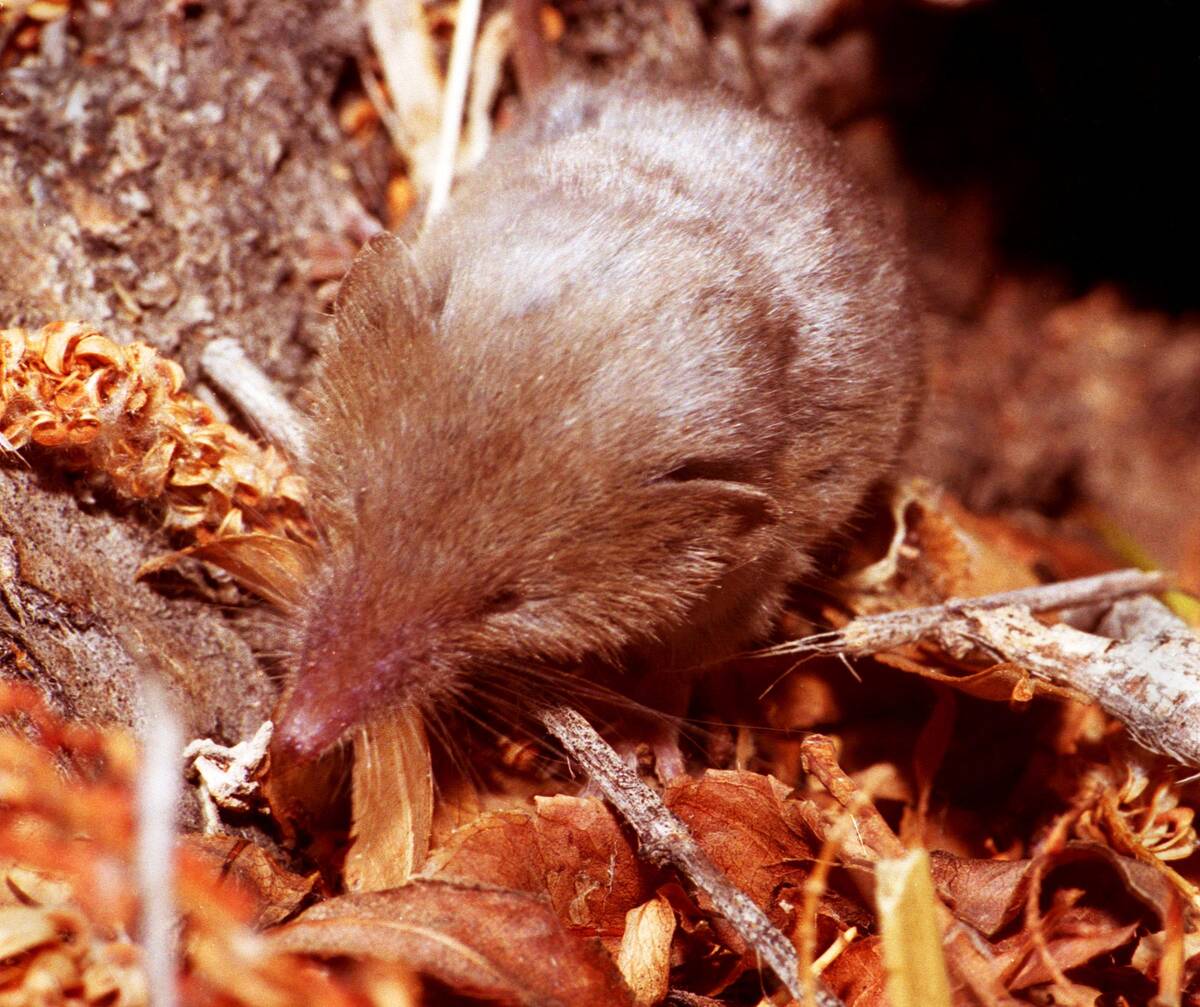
(119, 412)
(66, 817)
(593, 875)
(276, 891)
(572, 850)
(937, 551)
(857, 976)
(989, 894)
(1077, 936)
(750, 828)
(480, 942)
(392, 803)
(645, 956)
(498, 848)
(273, 567)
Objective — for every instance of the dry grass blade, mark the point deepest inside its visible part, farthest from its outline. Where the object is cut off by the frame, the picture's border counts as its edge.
(401, 39)
(912, 939)
(453, 101)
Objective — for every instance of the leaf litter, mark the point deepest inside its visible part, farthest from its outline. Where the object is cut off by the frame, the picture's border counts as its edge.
(1066, 862)
(964, 829)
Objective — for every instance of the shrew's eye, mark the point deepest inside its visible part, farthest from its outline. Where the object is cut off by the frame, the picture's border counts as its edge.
(723, 469)
(504, 600)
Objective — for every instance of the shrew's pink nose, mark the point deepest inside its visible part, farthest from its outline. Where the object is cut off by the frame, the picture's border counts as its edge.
(307, 727)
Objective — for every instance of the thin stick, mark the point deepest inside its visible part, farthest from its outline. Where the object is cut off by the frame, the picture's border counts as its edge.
(1151, 684)
(452, 106)
(820, 760)
(158, 789)
(874, 633)
(228, 367)
(972, 965)
(664, 840)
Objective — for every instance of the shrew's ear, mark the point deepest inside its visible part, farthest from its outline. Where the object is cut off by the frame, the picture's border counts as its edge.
(382, 319)
(382, 298)
(731, 521)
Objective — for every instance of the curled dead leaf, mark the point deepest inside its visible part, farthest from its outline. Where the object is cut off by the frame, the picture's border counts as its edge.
(645, 955)
(392, 803)
(273, 567)
(119, 412)
(479, 942)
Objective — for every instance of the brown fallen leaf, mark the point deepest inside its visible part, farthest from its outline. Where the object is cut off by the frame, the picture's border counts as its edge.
(504, 945)
(1076, 936)
(67, 845)
(1001, 683)
(571, 850)
(593, 874)
(750, 827)
(391, 803)
(989, 894)
(645, 956)
(498, 848)
(857, 975)
(276, 891)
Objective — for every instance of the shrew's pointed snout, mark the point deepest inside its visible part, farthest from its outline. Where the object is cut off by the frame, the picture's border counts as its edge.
(314, 716)
(303, 734)
(346, 680)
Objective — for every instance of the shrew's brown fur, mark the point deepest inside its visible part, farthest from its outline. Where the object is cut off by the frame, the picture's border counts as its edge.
(656, 350)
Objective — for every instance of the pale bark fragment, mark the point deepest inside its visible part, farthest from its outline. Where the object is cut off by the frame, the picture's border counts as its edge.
(1151, 684)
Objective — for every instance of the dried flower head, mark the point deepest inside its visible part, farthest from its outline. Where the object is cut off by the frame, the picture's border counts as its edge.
(119, 412)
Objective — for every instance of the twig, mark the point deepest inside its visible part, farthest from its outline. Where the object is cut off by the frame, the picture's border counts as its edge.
(158, 788)
(664, 840)
(874, 633)
(233, 372)
(820, 760)
(1139, 617)
(839, 944)
(815, 886)
(876, 841)
(452, 107)
(1151, 684)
